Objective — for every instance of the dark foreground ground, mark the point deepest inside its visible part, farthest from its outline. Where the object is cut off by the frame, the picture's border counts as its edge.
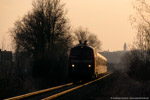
(116, 86)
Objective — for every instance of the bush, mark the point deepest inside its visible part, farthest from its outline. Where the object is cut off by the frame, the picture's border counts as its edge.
(138, 64)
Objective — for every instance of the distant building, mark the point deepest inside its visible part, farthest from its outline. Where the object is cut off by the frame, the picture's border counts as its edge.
(125, 47)
(0, 55)
(5, 56)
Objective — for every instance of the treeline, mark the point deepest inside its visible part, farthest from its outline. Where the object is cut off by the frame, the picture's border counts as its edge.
(138, 59)
(43, 36)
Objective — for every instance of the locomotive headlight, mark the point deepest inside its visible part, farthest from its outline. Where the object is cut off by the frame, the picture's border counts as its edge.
(73, 65)
(89, 65)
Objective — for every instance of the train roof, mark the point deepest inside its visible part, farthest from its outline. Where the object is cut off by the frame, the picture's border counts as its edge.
(101, 56)
(79, 45)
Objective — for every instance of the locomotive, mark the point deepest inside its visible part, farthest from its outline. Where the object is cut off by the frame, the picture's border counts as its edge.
(85, 63)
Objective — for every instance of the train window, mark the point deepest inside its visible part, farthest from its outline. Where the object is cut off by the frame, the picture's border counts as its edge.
(81, 52)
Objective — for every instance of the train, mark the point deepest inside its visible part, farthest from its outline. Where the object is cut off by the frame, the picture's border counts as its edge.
(85, 63)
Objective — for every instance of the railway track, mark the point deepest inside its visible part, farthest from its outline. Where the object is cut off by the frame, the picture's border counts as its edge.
(54, 92)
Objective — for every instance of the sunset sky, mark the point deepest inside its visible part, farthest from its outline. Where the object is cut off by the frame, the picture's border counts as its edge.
(108, 19)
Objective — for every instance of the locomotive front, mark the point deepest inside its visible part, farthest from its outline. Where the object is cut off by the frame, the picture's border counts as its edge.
(81, 62)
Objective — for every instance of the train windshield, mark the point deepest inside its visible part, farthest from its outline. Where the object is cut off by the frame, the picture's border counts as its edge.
(82, 52)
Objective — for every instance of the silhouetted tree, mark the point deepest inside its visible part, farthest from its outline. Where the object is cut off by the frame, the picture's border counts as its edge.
(44, 35)
(83, 34)
(139, 63)
(141, 23)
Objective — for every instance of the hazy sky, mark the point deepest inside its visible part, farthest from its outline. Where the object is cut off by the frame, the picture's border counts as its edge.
(108, 19)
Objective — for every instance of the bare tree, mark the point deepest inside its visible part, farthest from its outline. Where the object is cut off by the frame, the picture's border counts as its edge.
(40, 29)
(138, 58)
(84, 34)
(94, 41)
(44, 34)
(141, 22)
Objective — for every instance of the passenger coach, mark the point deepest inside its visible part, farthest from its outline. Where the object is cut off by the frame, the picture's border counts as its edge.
(85, 63)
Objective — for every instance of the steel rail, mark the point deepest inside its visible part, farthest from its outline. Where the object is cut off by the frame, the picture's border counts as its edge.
(72, 89)
(37, 92)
